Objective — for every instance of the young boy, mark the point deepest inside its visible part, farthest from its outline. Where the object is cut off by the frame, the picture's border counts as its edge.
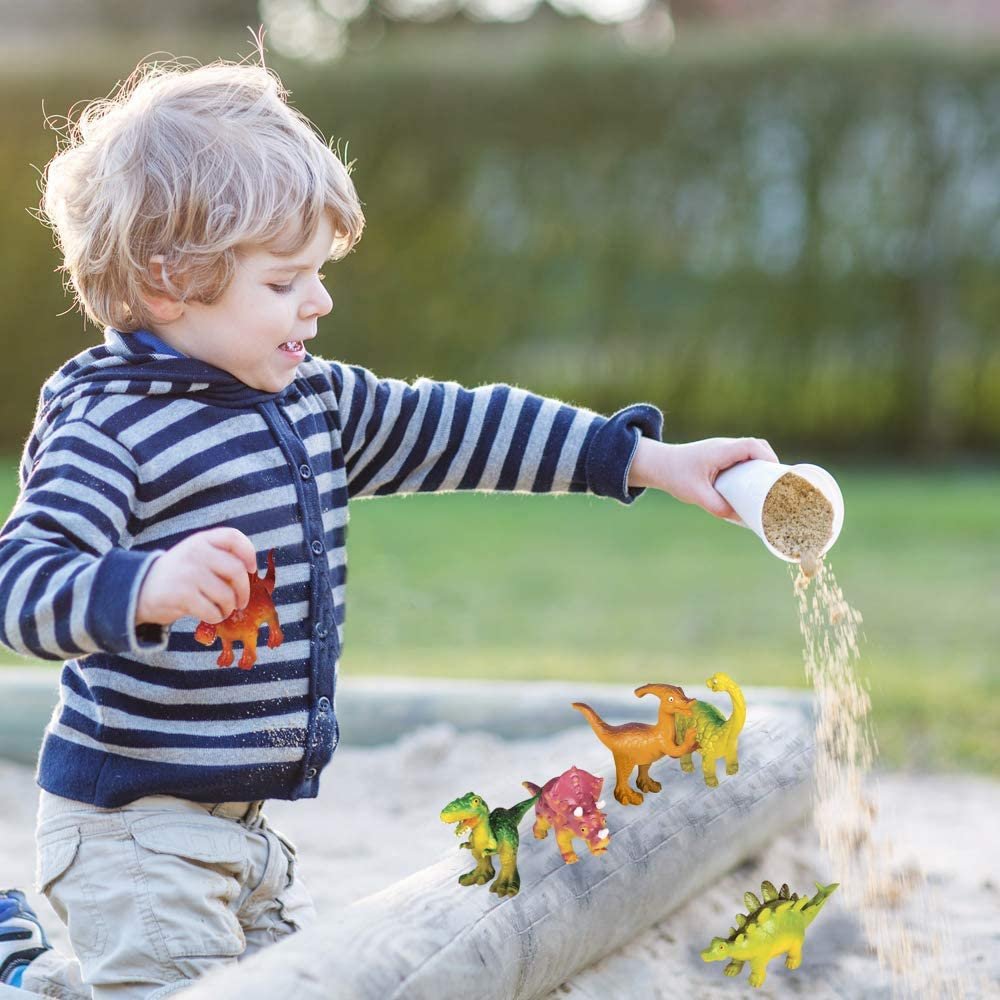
(194, 211)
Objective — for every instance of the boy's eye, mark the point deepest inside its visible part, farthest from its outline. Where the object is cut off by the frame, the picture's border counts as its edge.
(282, 289)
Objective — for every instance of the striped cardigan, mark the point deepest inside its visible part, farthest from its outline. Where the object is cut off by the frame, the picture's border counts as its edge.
(134, 449)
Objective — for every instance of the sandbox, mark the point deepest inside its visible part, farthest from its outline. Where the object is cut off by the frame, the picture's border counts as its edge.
(383, 869)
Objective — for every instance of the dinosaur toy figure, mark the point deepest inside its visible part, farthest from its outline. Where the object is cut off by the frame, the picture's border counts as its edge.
(636, 743)
(569, 803)
(489, 833)
(772, 928)
(717, 735)
(243, 624)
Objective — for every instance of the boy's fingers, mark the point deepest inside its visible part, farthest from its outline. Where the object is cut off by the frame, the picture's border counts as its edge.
(229, 570)
(233, 540)
(206, 610)
(759, 448)
(766, 451)
(221, 591)
(239, 584)
(726, 512)
(744, 449)
(715, 503)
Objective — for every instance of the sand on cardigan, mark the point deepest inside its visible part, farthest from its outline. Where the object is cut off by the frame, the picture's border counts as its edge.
(348, 841)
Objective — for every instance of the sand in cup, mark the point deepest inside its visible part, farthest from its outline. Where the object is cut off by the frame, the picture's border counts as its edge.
(796, 510)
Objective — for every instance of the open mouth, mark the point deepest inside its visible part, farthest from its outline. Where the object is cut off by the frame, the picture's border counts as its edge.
(293, 347)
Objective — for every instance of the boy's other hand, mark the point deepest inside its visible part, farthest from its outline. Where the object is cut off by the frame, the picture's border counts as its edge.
(206, 577)
(688, 471)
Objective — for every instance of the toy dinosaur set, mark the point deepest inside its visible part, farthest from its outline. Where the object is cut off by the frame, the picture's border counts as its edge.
(571, 805)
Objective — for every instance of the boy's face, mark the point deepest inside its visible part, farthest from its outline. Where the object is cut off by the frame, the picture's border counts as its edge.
(272, 302)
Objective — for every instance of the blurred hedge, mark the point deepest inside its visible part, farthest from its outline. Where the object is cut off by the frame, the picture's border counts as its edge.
(795, 240)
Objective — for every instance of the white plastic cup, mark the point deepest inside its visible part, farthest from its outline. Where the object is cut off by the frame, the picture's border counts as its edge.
(746, 486)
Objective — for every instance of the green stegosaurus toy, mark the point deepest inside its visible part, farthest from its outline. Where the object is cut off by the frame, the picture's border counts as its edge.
(774, 927)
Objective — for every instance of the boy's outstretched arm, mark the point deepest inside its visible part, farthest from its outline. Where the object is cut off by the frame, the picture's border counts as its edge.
(427, 436)
(688, 471)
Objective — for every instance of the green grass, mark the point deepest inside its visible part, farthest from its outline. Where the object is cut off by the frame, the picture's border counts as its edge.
(515, 587)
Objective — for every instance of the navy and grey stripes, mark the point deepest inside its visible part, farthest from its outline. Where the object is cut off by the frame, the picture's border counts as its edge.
(133, 451)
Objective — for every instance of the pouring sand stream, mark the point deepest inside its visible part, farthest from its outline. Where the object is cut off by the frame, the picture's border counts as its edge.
(797, 520)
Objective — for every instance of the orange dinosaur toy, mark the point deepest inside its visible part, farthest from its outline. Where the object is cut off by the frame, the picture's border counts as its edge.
(636, 743)
(243, 624)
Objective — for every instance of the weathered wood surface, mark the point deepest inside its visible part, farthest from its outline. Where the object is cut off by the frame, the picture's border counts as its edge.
(427, 938)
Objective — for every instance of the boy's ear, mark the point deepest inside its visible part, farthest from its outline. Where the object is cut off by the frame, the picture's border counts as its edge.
(163, 307)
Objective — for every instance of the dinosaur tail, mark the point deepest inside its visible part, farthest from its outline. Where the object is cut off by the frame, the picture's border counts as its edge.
(596, 722)
(532, 787)
(517, 812)
(812, 908)
(270, 577)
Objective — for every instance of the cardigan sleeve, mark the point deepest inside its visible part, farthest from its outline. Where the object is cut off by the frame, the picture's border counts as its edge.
(427, 436)
(69, 584)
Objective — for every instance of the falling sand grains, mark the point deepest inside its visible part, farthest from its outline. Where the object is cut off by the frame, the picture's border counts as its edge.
(873, 885)
(797, 520)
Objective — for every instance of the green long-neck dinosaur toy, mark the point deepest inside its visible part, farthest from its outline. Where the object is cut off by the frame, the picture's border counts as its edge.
(717, 735)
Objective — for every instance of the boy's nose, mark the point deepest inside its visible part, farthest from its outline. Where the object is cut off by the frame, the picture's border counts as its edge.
(318, 304)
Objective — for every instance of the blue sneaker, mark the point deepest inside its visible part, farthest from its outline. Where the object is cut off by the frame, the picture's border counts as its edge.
(22, 939)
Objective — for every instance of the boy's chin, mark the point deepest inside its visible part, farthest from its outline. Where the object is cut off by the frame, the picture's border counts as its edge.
(271, 382)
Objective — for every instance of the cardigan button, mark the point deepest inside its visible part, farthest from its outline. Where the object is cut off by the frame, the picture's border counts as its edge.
(323, 704)
(320, 630)
(305, 472)
(311, 772)
(317, 547)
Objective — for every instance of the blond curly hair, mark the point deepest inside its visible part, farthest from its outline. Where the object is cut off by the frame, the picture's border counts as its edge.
(189, 165)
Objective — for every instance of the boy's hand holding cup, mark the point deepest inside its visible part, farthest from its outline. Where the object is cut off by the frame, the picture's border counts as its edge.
(206, 576)
(688, 471)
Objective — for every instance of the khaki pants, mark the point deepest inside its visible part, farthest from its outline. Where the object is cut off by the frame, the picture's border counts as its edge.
(158, 893)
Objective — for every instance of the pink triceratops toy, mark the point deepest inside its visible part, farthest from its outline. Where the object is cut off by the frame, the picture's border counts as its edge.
(570, 804)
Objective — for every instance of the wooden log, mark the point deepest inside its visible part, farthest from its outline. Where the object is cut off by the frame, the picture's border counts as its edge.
(428, 938)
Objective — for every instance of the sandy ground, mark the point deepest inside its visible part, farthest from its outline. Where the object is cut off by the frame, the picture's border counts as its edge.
(945, 827)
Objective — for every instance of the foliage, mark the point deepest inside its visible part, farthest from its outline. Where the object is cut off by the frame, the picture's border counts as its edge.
(797, 241)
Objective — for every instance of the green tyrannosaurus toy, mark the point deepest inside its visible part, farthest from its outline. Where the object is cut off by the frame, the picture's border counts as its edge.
(717, 735)
(489, 833)
(774, 927)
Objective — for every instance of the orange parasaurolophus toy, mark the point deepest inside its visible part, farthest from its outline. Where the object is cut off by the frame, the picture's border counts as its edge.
(639, 744)
(244, 623)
